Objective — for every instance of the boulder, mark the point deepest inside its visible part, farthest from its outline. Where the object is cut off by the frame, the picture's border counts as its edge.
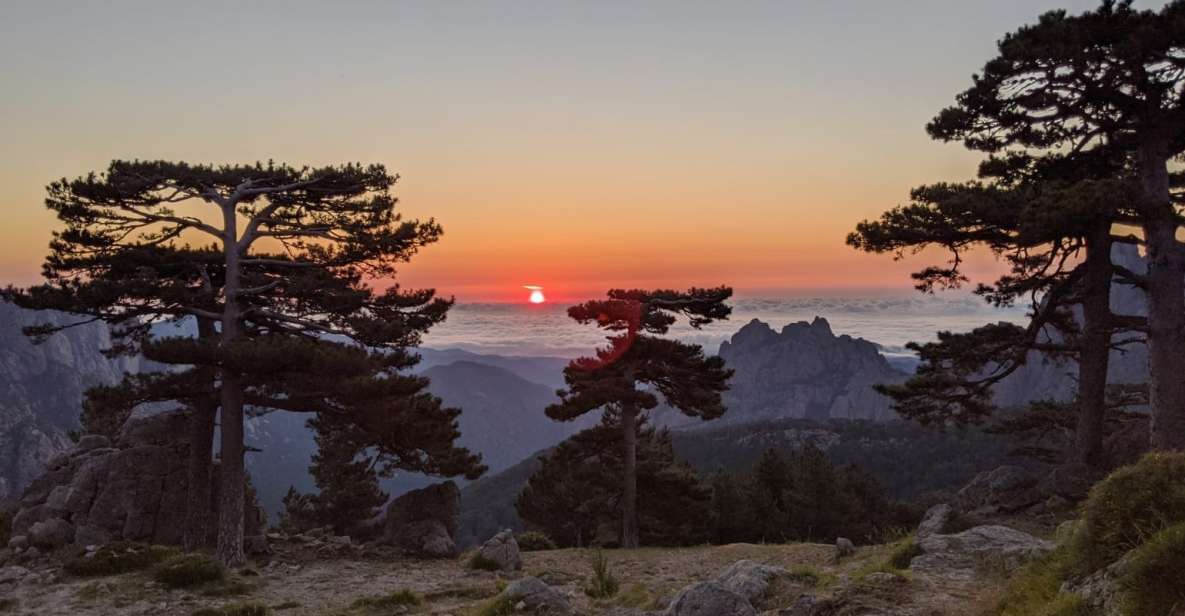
(1005, 489)
(938, 519)
(133, 490)
(12, 574)
(961, 554)
(51, 534)
(709, 599)
(749, 579)
(844, 547)
(502, 549)
(425, 521)
(533, 595)
(18, 542)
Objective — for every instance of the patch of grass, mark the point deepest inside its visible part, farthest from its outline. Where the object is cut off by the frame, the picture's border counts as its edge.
(1129, 507)
(384, 602)
(635, 596)
(602, 584)
(1035, 590)
(804, 574)
(187, 570)
(118, 557)
(905, 550)
(287, 605)
(498, 606)
(227, 588)
(481, 563)
(1146, 578)
(235, 609)
(534, 541)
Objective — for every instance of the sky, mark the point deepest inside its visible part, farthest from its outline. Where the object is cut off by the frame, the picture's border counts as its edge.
(576, 146)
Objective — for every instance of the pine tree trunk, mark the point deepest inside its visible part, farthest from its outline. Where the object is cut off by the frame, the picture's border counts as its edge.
(1095, 353)
(1166, 302)
(629, 495)
(232, 476)
(201, 450)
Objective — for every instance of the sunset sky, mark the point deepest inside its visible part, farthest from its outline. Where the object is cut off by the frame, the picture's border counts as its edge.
(572, 146)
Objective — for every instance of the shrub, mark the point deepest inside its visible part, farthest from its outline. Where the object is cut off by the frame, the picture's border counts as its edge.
(498, 606)
(383, 602)
(477, 561)
(118, 557)
(904, 553)
(602, 584)
(235, 609)
(1146, 580)
(1036, 589)
(534, 541)
(1130, 506)
(186, 570)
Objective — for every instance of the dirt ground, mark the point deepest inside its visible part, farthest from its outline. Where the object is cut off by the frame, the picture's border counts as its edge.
(648, 578)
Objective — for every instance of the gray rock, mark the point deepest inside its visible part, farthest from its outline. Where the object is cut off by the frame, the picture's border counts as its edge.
(92, 441)
(1006, 488)
(937, 520)
(961, 554)
(12, 574)
(18, 542)
(844, 547)
(537, 597)
(425, 521)
(503, 550)
(749, 579)
(709, 599)
(51, 534)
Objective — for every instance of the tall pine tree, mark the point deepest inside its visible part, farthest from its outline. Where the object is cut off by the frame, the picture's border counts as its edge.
(628, 376)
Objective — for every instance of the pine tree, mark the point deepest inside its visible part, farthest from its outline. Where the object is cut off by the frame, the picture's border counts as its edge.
(1051, 220)
(578, 489)
(680, 373)
(292, 251)
(1107, 79)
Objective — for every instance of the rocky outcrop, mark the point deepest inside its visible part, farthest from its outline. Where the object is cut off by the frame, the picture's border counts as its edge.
(502, 550)
(750, 579)
(41, 389)
(936, 521)
(709, 599)
(1003, 489)
(98, 491)
(962, 554)
(804, 371)
(425, 521)
(530, 594)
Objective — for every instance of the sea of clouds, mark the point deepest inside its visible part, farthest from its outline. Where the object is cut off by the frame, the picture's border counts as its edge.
(519, 329)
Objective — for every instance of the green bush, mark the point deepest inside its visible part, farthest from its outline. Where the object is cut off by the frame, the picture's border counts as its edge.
(1035, 590)
(1148, 578)
(479, 562)
(383, 602)
(119, 557)
(185, 570)
(534, 541)
(235, 609)
(602, 584)
(498, 606)
(904, 552)
(1130, 506)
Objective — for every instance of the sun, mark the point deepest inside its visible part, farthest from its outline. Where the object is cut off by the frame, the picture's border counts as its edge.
(536, 296)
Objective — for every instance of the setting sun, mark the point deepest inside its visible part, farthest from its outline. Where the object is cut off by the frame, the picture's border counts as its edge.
(536, 296)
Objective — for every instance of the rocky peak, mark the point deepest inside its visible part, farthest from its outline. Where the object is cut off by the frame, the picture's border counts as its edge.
(804, 370)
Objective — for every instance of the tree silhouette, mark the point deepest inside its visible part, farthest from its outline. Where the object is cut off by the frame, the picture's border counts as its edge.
(680, 373)
(1107, 79)
(292, 249)
(1051, 219)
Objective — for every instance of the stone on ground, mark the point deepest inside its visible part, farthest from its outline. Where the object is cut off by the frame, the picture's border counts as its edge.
(749, 579)
(424, 522)
(709, 599)
(535, 596)
(502, 549)
(961, 554)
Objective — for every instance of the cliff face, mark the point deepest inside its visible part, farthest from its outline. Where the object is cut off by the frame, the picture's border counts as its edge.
(41, 389)
(804, 371)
